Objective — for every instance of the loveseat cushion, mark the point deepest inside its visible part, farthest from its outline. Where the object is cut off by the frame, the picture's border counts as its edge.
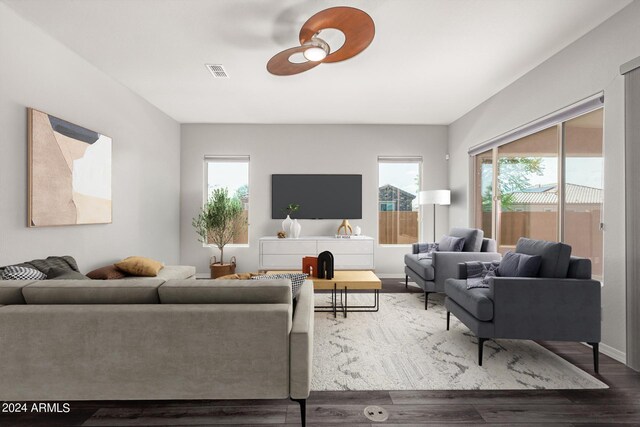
(11, 291)
(555, 256)
(476, 301)
(423, 267)
(225, 292)
(93, 292)
(472, 238)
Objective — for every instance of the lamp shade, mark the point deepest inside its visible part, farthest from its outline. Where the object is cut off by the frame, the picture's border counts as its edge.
(435, 197)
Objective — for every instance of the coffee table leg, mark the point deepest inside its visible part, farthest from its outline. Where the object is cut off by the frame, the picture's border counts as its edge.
(335, 300)
(346, 293)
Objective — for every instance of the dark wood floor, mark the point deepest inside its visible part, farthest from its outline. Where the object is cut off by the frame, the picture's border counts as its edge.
(618, 405)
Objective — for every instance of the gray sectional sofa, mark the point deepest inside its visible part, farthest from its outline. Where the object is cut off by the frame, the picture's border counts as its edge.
(151, 339)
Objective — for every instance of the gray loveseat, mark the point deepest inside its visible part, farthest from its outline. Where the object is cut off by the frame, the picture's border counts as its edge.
(431, 272)
(153, 340)
(561, 304)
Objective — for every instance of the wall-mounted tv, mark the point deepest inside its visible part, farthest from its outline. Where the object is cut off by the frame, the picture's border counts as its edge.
(319, 196)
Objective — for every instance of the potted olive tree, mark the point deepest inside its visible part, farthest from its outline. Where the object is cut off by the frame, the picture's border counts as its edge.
(219, 220)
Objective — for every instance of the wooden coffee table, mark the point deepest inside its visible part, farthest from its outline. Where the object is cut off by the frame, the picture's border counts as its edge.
(342, 282)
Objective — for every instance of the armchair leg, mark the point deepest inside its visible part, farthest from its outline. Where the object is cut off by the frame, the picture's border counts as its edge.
(426, 299)
(406, 281)
(448, 319)
(303, 410)
(480, 345)
(596, 355)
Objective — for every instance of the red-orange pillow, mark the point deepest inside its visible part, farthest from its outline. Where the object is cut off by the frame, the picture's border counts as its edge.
(108, 272)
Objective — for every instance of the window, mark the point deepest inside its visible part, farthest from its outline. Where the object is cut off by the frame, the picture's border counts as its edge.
(398, 188)
(548, 185)
(232, 174)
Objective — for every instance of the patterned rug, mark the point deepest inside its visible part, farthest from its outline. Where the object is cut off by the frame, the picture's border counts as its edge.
(404, 347)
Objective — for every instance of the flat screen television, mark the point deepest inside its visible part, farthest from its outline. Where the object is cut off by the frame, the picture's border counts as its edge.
(319, 196)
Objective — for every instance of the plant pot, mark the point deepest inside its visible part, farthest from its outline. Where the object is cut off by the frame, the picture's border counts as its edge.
(219, 270)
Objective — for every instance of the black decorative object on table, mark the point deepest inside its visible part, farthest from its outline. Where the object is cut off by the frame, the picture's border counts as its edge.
(325, 265)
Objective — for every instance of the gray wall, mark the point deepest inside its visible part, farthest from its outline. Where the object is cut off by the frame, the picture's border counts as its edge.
(277, 149)
(588, 66)
(39, 72)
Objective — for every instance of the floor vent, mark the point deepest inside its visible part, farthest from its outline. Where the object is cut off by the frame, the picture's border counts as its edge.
(376, 413)
(218, 71)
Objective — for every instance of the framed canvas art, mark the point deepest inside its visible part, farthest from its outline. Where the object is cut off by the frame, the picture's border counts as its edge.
(69, 173)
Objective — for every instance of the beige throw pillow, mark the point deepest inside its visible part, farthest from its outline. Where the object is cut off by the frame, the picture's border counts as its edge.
(140, 266)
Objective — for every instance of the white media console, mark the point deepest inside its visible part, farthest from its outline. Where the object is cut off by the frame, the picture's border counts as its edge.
(355, 253)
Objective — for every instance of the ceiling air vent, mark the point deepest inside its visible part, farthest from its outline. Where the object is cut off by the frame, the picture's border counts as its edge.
(218, 71)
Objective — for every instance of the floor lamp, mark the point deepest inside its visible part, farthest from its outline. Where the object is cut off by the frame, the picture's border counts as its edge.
(435, 197)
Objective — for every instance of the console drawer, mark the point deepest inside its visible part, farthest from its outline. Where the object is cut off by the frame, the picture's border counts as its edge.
(286, 246)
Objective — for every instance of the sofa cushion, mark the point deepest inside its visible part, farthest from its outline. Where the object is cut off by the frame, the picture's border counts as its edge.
(554, 262)
(16, 272)
(177, 272)
(143, 291)
(225, 292)
(476, 301)
(451, 244)
(423, 267)
(55, 273)
(140, 266)
(108, 272)
(11, 291)
(472, 238)
(518, 265)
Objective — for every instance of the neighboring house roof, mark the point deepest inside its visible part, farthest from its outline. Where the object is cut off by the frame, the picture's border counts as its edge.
(396, 189)
(548, 195)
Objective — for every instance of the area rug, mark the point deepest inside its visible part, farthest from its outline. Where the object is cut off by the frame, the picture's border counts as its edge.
(404, 347)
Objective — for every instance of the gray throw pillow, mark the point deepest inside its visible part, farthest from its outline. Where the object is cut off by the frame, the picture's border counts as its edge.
(450, 244)
(519, 265)
(56, 273)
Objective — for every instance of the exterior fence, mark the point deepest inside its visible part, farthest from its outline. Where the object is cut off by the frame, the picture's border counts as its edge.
(398, 227)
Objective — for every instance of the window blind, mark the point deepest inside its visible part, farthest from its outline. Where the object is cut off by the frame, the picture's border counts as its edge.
(211, 158)
(581, 107)
(399, 159)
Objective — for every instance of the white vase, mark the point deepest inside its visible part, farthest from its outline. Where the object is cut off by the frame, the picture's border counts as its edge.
(286, 225)
(295, 229)
(357, 230)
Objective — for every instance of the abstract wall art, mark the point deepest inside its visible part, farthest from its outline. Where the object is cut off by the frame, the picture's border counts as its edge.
(69, 173)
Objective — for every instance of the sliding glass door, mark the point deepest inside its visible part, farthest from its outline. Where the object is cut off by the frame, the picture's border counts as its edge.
(547, 185)
(484, 192)
(528, 189)
(583, 187)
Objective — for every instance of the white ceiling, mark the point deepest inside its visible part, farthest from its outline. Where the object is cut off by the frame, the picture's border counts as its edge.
(430, 62)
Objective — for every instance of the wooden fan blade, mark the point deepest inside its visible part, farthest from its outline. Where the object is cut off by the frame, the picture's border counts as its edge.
(280, 65)
(357, 26)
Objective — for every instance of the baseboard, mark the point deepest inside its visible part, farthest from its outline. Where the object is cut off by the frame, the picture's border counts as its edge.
(613, 353)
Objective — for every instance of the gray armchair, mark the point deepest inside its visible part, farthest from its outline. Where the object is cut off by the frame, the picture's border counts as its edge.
(561, 304)
(431, 272)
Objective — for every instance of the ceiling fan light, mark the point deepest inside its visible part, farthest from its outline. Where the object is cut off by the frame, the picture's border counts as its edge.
(317, 51)
(315, 54)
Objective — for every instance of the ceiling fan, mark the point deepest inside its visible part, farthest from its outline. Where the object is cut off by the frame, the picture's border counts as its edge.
(358, 29)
